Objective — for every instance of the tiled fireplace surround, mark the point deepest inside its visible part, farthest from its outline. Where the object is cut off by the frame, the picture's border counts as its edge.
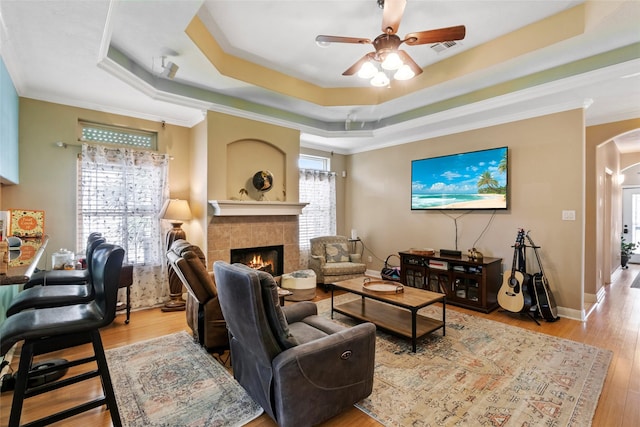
(234, 232)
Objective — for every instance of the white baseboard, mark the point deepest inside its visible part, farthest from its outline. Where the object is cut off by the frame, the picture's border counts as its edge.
(571, 313)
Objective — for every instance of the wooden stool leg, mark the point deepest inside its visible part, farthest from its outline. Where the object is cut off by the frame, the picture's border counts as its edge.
(128, 304)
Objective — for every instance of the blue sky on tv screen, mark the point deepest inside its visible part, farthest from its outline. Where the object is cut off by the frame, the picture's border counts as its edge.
(456, 174)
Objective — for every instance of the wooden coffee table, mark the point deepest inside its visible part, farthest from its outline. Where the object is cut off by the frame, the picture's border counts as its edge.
(395, 313)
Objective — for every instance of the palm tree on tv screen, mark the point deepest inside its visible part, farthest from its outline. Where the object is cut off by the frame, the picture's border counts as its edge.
(502, 167)
(487, 183)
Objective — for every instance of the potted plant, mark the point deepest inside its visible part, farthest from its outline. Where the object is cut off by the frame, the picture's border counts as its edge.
(626, 250)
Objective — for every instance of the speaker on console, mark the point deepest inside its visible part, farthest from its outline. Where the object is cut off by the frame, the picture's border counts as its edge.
(450, 252)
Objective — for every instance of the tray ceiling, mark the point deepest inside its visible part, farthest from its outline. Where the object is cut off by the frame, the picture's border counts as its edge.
(258, 59)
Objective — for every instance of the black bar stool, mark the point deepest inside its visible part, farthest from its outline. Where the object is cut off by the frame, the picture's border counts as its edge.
(64, 277)
(52, 329)
(60, 294)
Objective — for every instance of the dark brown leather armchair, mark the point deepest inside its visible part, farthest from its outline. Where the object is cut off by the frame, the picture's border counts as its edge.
(204, 315)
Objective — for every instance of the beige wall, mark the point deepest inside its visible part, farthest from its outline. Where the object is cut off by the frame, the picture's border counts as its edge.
(223, 181)
(608, 216)
(197, 233)
(545, 176)
(48, 173)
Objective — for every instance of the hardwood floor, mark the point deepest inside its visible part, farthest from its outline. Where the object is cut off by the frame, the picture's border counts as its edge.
(613, 324)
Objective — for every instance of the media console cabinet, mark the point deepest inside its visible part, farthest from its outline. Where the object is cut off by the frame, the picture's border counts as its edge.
(466, 282)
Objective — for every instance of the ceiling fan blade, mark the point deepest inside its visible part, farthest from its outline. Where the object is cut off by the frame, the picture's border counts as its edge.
(406, 59)
(338, 39)
(356, 67)
(392, 15)
(436, 36)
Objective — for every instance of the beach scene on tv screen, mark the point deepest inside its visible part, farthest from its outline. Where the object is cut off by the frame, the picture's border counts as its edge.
(474, 180)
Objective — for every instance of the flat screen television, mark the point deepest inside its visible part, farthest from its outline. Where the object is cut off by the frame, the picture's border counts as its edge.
(465, 181)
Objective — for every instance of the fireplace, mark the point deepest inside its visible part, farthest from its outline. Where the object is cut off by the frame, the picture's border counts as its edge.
(265, 258)
(226, 233)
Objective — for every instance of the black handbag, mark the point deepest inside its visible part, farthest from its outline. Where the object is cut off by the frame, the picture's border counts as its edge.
(389, 272)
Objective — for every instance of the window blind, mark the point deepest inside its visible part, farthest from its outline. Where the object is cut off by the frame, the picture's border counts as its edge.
(120, 193)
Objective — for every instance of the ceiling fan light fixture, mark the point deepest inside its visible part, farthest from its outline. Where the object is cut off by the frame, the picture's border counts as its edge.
(380, 80)
(367, 71)
(404, 73)
(392, 61)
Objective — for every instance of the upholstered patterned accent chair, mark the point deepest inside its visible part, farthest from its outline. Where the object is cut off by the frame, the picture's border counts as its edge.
(331, 261)
(204, 315)
(300, 367)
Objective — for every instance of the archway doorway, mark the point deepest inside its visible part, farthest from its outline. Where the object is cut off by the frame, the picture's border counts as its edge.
(631, 209)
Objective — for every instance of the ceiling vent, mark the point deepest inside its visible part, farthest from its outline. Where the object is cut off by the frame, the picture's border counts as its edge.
(441, 47)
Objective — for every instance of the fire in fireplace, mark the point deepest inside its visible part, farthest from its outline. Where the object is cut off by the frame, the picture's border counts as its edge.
(264, 258)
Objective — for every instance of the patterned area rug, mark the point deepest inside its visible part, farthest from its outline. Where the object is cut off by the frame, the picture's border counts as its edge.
(483, 373)
(172, 381)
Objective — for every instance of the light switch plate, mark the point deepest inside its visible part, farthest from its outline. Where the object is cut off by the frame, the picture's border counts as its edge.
(568, 215)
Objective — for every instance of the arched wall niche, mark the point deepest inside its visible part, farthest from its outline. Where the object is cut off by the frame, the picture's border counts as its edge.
(245, 157)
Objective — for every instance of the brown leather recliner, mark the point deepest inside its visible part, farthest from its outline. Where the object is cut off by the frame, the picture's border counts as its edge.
(204, 315)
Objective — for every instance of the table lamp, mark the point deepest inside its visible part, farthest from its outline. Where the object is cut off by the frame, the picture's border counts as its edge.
(175, 211)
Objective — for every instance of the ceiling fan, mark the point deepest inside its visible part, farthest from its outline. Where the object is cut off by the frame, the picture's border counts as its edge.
(386, 46)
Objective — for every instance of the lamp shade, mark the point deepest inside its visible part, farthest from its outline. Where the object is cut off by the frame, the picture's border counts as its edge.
(392, 61)
(380, 80)
(367, 70)
(176, 210)
(404, 73)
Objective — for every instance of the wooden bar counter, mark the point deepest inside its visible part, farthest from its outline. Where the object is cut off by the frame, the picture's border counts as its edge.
(21, 266)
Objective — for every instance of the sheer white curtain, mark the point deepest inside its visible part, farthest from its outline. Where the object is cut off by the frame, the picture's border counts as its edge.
(120, 193)
(318, 218)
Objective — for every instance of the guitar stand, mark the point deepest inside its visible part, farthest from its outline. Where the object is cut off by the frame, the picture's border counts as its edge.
(522, 313)
(531, 316)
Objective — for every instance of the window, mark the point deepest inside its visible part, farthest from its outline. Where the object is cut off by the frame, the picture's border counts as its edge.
(318, 218)
(105, 134)
(314, 162)
(120, 193)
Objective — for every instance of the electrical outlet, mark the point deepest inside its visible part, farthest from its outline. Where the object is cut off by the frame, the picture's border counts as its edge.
(568, 215)
(369, 259)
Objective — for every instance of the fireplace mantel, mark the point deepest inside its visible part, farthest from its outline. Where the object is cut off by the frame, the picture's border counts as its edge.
(252, 207)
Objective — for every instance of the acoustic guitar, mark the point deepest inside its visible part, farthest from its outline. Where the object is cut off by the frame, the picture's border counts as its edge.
(547, 307)
(513, 294)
